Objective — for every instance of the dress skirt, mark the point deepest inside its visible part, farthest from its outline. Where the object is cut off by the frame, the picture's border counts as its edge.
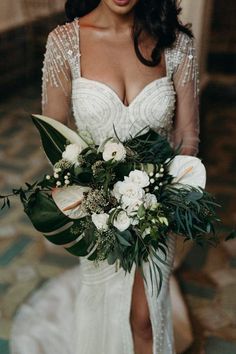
(86, 310)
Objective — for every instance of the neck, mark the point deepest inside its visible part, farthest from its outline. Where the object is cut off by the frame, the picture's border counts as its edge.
(108, 18)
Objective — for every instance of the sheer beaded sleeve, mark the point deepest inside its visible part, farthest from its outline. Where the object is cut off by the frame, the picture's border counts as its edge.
(185, 77)
(56, 79)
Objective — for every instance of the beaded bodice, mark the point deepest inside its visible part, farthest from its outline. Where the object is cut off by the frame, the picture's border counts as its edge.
(97, 107)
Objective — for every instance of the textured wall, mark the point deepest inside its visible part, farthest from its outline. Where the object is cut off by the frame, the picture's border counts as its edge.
(14, 13)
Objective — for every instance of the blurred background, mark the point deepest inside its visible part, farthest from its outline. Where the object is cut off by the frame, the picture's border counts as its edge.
(207, 276)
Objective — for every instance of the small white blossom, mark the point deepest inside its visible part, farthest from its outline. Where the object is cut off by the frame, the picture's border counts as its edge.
(114, 150)
(48, 177)
(146, 232)
(163, 220)
(56, 170)
(100, 221)
(152, 180)
(122, 221)
(71, 153)
(150, 201)
(67, 182)
(134, 221)
(58, 183)
(56, 175)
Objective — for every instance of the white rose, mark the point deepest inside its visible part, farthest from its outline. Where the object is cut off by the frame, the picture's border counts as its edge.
(122, 221)
(116, 190)
(132, 208)
(150, 201)
(72, 152)
(113, 150)
(139, 178)
(100, 221)
(130, 193)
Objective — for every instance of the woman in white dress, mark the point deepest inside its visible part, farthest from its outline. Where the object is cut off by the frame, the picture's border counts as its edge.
(128, 64)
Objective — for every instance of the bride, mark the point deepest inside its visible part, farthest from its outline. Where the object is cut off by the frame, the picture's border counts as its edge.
(128, 64)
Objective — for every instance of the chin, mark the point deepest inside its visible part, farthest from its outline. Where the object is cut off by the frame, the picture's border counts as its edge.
(121, 6)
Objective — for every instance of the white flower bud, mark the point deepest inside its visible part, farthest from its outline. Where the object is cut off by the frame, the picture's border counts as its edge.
(66, 177)
(161, 169)
(152, 180)
(67, 182)
(56, 175)
(58, 183)
(48, 177)
(151, 174)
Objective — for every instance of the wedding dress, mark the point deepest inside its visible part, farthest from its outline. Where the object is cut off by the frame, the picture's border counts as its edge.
(86, 310)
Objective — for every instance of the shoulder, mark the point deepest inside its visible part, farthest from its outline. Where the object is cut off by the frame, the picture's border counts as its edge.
(182, 49)
(65, 34)
(183, 45)
(64, 39)
(183, 42)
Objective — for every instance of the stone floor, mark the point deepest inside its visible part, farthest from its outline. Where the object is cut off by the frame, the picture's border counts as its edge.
(207, 276)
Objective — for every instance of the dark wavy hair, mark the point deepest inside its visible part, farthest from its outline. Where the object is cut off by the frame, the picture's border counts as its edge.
(158, 18)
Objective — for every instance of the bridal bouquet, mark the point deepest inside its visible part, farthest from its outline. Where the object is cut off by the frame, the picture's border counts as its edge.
(118, 201)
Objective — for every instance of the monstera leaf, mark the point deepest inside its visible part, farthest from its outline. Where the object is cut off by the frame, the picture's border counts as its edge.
(58, 228)
(55, 136)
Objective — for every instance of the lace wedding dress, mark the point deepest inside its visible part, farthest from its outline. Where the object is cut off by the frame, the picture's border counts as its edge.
(86, 310)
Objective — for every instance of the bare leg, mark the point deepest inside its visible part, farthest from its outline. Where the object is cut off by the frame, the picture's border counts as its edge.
(139, 318)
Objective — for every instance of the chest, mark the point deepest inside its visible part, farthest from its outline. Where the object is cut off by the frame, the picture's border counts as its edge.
(111, 59)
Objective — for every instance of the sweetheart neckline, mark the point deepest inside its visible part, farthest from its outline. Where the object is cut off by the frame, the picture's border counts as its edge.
(114, 93)
(111, 89)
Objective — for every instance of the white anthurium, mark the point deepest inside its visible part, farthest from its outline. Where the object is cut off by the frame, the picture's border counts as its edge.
(68, 133)
(188, 170)
(69, 199)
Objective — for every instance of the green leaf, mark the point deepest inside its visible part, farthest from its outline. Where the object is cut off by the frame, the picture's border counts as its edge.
(54, 136)
(112, 257)
(80, 249)
(53, 142)
(124, 237)
(44, 213)
(62, 238)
